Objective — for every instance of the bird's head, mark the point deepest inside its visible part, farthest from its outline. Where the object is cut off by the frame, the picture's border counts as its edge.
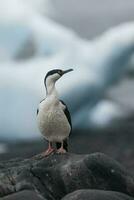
(53, 75)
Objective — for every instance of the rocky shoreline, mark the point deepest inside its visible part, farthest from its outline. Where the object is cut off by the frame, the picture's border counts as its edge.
(68, 176)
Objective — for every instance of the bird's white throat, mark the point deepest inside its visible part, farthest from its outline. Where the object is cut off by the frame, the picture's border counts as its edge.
(50, 87)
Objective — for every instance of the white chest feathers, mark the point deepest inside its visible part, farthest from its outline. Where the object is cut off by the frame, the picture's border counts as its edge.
(52, 121)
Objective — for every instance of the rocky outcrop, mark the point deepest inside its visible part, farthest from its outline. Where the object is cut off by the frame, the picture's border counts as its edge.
(56, 176)
(24, 195)
(96, 195)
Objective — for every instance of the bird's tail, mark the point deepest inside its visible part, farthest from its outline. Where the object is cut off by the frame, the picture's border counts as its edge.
(65, 145)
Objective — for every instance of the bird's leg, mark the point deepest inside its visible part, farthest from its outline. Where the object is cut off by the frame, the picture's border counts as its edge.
(61, 149)
(49, 150)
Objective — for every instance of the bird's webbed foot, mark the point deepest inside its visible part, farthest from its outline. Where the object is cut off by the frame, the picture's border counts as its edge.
(61, 150)
(49, 151)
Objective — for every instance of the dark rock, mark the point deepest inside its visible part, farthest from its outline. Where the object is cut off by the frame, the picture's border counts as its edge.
(58, 175)
(23, 195)
(96, 195)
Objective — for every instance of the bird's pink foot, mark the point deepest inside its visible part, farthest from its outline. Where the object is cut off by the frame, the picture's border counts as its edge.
(45, 153)
(61, 150)
(48, 152)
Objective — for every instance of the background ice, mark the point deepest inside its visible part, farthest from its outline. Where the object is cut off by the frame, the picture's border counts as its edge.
(31, 44)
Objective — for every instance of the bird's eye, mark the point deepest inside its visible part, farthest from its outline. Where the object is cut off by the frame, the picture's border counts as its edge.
(60, 72)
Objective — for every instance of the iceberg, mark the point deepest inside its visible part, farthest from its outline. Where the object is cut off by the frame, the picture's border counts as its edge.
(97, 64)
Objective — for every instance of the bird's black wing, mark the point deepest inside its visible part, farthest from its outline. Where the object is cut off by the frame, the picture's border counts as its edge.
(68, 116)
(38, 108)
(67, 113)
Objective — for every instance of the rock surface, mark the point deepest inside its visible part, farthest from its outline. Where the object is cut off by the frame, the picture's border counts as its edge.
(96, 195)
(23, 195)
(58, 175)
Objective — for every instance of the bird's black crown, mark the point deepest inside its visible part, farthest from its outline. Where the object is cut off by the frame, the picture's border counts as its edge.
(54, 71)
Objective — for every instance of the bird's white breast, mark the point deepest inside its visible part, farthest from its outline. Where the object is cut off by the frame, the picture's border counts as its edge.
(52, 121)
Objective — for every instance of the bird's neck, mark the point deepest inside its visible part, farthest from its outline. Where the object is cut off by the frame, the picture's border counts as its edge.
(51, 90)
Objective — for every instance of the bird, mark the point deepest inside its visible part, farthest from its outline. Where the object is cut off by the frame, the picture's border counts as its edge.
(53, 116)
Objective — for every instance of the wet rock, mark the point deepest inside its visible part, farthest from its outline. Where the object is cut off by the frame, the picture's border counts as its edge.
(55, 176)
(24, 195)
(96, 195)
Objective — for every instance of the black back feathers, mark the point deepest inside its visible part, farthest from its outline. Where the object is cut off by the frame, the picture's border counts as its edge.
(67, 113)
(68, 116)
(38, 108)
